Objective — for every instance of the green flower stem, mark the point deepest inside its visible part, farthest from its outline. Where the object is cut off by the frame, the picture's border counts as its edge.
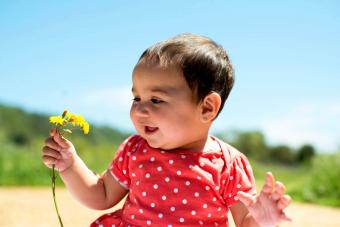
(53, 176)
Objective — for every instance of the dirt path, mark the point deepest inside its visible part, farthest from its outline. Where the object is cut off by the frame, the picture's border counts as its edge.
(34, 207)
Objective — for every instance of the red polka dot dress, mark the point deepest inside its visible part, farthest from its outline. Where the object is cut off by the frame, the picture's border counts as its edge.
(177, 188)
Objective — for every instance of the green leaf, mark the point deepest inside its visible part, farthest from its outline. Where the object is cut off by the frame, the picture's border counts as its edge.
(67, 130)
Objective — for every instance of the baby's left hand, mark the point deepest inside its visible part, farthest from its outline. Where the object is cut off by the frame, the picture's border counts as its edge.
(267, 207)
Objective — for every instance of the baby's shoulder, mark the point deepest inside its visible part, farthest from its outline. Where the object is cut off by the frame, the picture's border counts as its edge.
(230, 153)
(132, 143)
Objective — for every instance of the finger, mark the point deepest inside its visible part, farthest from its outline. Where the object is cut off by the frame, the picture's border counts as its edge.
(268, 187)
(47, 151)
(49, 161)
(61, 141)
(49, 142)
(246, 198)
(284, 202)
(53, 131)
(279, 191)
(284, 217)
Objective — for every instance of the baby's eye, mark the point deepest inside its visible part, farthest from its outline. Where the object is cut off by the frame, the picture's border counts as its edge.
(136, 99)
(156, 101)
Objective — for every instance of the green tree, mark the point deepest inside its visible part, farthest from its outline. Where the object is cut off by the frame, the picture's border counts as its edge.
(305, 153)
(282, 154)
(251, 143)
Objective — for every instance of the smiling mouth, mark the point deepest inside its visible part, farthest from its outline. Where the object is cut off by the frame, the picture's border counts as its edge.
(150, 130)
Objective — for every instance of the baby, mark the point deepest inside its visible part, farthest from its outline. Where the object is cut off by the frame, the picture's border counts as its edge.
(173, 171)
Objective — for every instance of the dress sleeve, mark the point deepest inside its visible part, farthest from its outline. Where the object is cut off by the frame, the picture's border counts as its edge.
(119, 167)
(239, 177)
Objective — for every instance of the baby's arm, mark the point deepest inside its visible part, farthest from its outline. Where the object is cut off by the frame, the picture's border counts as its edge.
(96, 192)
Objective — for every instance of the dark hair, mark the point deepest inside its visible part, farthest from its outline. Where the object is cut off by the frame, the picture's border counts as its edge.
(205, 64)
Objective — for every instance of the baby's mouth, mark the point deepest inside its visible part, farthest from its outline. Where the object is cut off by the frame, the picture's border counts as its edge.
(150, 130)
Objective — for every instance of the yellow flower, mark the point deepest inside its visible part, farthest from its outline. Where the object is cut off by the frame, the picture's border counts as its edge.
(86, 128)
(75, 120)
(57, 120)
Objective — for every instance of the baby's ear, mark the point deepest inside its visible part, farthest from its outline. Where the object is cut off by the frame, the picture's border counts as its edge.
(210, 107)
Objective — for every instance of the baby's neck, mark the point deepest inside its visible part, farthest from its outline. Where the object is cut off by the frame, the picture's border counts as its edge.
(203, 145)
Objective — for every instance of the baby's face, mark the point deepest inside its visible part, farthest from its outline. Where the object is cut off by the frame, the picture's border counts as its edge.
(163, 111)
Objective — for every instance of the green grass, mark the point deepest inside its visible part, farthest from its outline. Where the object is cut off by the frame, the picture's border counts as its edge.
(318, 182)
(22, 166)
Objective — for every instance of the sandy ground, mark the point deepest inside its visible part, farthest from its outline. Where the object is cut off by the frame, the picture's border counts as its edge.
(27, 206)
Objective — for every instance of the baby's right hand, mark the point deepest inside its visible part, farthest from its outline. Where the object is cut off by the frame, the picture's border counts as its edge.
(58, 151)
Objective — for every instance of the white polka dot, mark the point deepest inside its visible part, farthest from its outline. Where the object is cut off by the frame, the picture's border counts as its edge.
(145, 150)
(187, 183)
(238, 186)
(133, 174)
(137, 182)
(169, 225)
(160, 215)
(152, 159)
(163, 197)
(124, 171)
(217, 188)
(181, 220)
(209, 215)
(152, 204)
(207, 188)
(132, 216)
(155, 186)
(214, 199)
(175, 190)
(197, 194)
(219, 209)
(140, 166)
(144, 194)
(199, 178)
(201, 222)
(183, 156)
(191, 166)
(229, 195)
(172, 208)
(167, 179)
(205, 205)
(120, 159)
(148, 175)
(141, 211)
(171, 162)
(100, 225)
(148, 222)
(193, 212)
(159, 168)
(134, 158)
(231, 178)
(125, 182)
(179, 172)
(128, 153)
(184, 201)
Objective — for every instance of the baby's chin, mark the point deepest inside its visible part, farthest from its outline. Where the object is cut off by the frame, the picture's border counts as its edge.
(157, 145)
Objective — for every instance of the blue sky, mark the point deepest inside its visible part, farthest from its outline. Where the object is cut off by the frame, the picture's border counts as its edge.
(79, 55)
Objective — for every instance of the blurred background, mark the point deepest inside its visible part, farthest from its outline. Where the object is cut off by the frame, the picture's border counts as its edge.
(283, 111)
